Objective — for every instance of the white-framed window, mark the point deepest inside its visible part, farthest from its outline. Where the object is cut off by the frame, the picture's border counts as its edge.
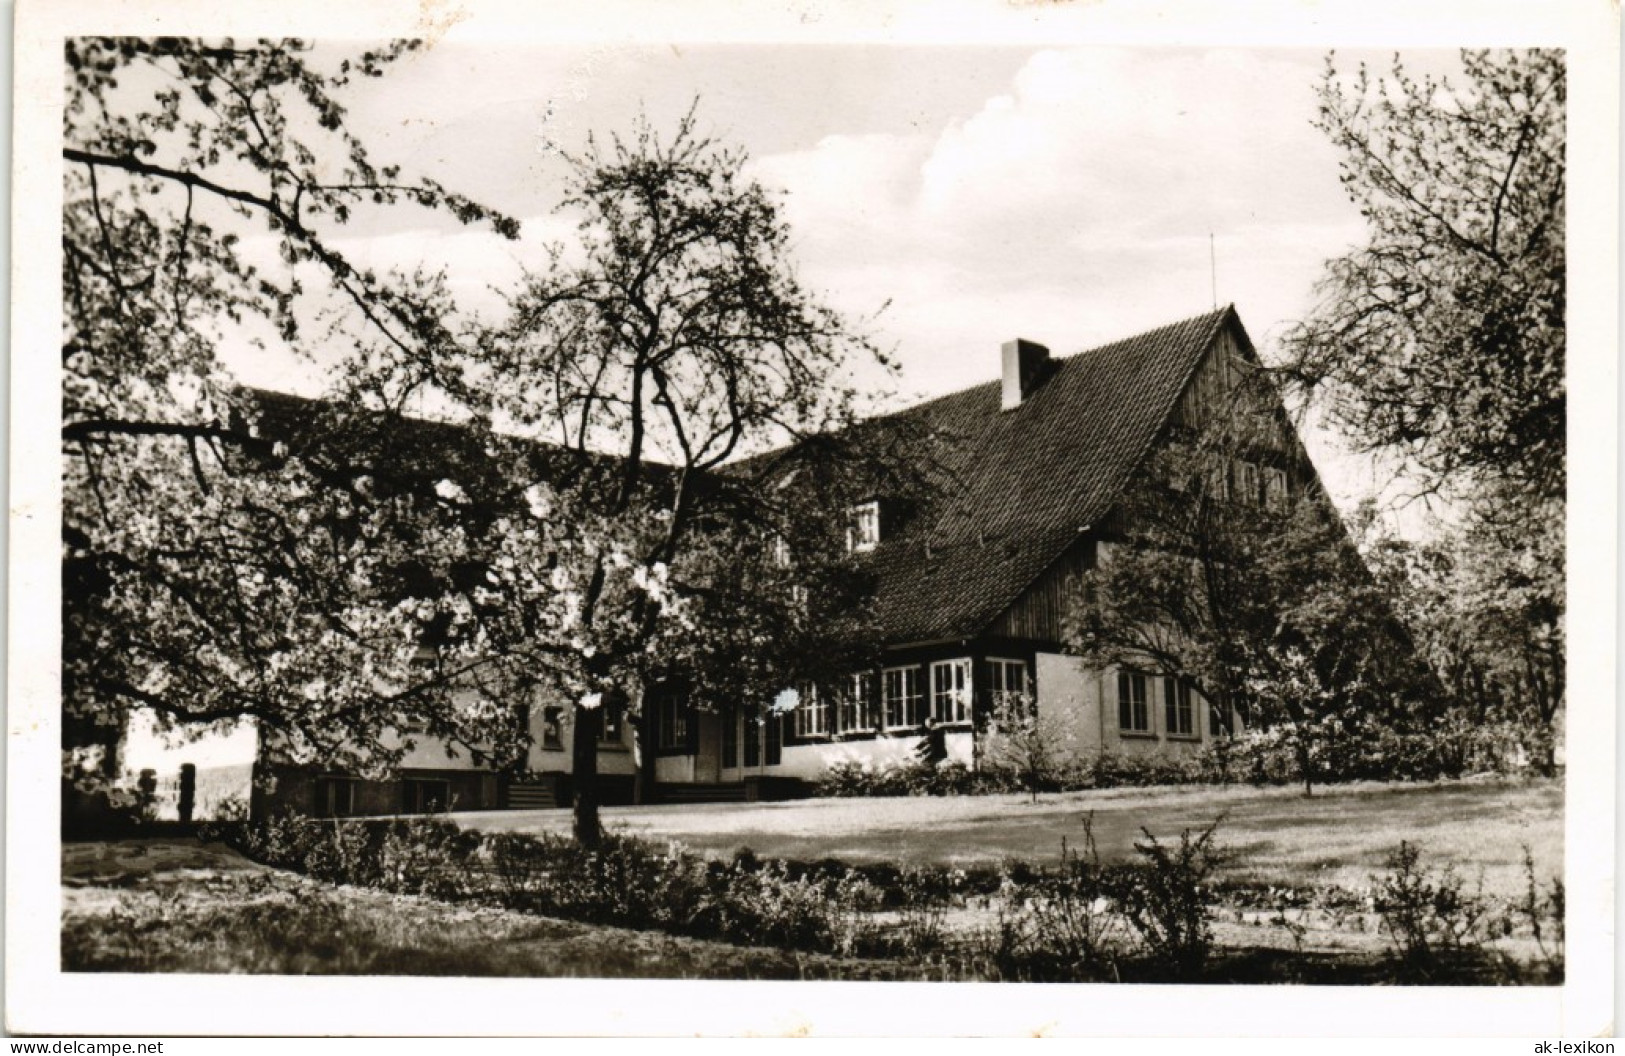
(1007, 683)
(855, 711)
(950, 691)
(780, 550)
(798, 597)
(812, 712)
(672, 720)
(1133, 715)
(553, 728)
(1275, 495)
(1217, 724)
(614, 715)
(901, 697)
(863, 697)
(335, 797)
(864, 532)
(425, 795)
(1180, 720)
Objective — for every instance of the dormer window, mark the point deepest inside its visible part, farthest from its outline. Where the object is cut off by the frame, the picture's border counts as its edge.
(864, 532)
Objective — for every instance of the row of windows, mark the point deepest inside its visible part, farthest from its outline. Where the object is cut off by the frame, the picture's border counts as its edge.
(909, 695)
(1178, 703)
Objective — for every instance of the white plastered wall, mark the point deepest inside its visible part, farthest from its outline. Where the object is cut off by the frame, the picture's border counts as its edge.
(1088, 700)
(611, 760)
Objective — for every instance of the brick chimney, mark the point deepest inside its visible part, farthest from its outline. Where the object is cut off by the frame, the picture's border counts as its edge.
(1024, 362)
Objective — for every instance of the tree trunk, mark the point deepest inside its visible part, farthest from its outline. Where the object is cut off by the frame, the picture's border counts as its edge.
(645, 788)
(589, 830)
(1306, 764)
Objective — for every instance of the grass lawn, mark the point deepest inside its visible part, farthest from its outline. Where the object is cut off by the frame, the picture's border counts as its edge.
(180, 906)
(1341, 835)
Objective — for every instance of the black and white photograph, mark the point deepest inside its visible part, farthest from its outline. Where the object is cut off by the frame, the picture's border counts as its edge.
(809, 501)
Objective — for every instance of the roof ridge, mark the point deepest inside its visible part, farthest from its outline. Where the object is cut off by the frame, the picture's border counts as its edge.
(1216, 315)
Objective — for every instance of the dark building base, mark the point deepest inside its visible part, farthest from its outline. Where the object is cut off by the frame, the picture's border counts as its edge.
(323, 794)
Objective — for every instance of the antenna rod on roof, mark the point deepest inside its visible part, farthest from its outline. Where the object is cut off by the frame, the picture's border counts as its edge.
(1213, 269)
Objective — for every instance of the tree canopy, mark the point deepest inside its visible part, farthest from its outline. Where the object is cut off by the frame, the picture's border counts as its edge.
(1441, 340)
(671, 337)
(1441, 343)
(584, 526)
(211, 571)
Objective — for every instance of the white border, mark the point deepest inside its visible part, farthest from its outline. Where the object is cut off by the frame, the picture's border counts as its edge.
(41, 999)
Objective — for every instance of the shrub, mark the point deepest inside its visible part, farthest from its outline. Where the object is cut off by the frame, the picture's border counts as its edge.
(226, 821)
(283, 841)
(853, 779)
(1554, 907)
(1028, 748)
(998, 775)
(423, 856)
(1541, 912)
(922, 919)
(1165, 898)
(1110, 770)
(1431, 922)
(1367, 749)
(850, 779)
(1057, 926)
(1076, 913)
(622, 881)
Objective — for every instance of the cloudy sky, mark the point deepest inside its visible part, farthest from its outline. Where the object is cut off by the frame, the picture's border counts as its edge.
(1070, 196)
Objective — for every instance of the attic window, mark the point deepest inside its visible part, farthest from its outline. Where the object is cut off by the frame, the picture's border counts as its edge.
(1275, 493)
(1247, 482)
(864, 531)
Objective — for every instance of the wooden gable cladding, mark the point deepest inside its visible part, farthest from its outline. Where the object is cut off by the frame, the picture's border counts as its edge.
(1217, 389)
(1037, 615)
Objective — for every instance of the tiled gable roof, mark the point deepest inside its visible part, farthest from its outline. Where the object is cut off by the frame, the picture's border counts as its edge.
(1021, 485)
(1018, 487)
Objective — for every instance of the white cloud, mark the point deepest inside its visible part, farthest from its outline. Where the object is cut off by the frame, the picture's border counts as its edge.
(1076, 206)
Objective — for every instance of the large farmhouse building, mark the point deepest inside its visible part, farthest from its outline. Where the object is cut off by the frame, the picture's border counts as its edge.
(971, 598)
